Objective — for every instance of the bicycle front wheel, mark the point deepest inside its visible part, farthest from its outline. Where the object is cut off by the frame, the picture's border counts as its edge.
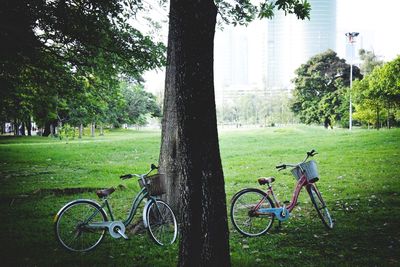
(245, 214)
(320, 206)
(161, 223)
(71, 225)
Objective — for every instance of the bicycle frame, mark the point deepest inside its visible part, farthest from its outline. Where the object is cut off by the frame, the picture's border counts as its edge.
(143, 193)
(135, 204)
(280, 211)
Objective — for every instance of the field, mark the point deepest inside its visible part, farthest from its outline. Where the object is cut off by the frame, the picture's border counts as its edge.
(359, 182)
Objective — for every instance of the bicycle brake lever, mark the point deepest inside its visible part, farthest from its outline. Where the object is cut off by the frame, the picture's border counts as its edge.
(126, 176)
(281, 167)
(153, 167)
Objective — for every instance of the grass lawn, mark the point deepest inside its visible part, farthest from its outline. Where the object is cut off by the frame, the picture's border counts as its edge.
(359, 182)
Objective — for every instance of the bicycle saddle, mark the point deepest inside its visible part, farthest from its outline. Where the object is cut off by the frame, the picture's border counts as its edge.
(105, 192)
(266, 180)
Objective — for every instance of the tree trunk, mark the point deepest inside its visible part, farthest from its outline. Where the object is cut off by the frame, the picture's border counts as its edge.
(52, 130)
(378, 119)
(22, 129)
(92, 129)
(80, 131)
(101, 130)
(29, 127)
(47, 130)
(16, 128)
(190, 155)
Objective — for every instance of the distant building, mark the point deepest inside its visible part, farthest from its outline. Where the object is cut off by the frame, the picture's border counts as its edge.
(261, 59)
(291, 42)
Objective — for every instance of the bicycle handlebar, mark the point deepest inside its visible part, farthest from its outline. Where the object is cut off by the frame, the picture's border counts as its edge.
(128, 176)
(311, 153)
(281, 167)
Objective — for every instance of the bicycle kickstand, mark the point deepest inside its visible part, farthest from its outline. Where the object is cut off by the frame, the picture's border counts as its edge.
(279, 227)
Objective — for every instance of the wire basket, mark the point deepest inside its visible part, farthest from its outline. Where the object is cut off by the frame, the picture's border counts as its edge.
(155, 184)
(310, 170)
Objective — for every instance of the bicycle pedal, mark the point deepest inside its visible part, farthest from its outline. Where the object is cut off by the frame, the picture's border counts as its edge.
(122, 234)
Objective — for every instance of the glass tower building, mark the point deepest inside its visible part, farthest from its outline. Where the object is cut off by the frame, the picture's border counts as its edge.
(291, 42)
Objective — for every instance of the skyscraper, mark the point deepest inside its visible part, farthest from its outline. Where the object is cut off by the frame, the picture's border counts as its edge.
(261, 59)
(291, 42)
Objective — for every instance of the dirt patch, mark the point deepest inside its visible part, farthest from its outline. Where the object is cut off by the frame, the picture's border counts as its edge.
(64, 191)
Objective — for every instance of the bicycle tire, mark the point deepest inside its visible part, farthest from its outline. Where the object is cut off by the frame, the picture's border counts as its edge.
(161, 223)
(320, 206)
(69, 225)
(241, 216)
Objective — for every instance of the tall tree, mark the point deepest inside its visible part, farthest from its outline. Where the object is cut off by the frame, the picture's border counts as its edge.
(189, 154)
(379, 91)
(319, 93)
(64, 40)
(190, 149)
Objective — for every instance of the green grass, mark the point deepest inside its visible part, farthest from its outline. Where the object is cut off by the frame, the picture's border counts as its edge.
(359, 181)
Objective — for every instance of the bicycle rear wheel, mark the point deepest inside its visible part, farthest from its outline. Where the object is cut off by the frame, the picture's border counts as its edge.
(162, 225)
(244, 214)
(320, 206)
(71, 225)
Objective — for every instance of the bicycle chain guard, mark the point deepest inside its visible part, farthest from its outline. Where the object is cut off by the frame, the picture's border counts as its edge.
(117, 229)
(282, 214)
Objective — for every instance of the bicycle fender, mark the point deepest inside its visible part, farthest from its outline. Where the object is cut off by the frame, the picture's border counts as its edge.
(146, 206)
(245, 190)
(79, 200)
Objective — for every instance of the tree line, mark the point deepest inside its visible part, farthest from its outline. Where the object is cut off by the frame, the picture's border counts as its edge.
(322, 92)
(256, 109)
(377, 96)
(63, 62)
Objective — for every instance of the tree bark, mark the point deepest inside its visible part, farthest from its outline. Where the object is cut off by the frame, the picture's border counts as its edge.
(47, 130)
(16, 128)
(378, 119)
(29, 127)
(92, 129)
(52, 130)
(80, 131)
(22, 129)
(189, 154)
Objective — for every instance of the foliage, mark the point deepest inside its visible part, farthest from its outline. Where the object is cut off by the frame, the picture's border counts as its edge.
(138, 104)
(319, 94)
(67, 132)
(52, 49)
(379, 91)
(244, 11)
(252, 109)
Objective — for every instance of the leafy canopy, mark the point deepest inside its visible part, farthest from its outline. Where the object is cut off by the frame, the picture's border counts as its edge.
(319, 93)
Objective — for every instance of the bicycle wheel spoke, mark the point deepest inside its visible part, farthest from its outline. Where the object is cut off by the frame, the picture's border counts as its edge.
(320, 207)
(162, 224)
(71, 230)
(244, 216)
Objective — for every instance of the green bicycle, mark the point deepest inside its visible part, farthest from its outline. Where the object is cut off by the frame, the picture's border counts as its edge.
(81, 224)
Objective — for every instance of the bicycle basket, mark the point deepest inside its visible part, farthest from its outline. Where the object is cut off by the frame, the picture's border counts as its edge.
(310, 169)
(155, 184)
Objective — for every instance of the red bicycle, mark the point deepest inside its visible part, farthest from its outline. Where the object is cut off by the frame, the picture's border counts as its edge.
(253, 211)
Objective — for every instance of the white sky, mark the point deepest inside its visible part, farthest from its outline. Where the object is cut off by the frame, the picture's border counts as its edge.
(377, 22)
